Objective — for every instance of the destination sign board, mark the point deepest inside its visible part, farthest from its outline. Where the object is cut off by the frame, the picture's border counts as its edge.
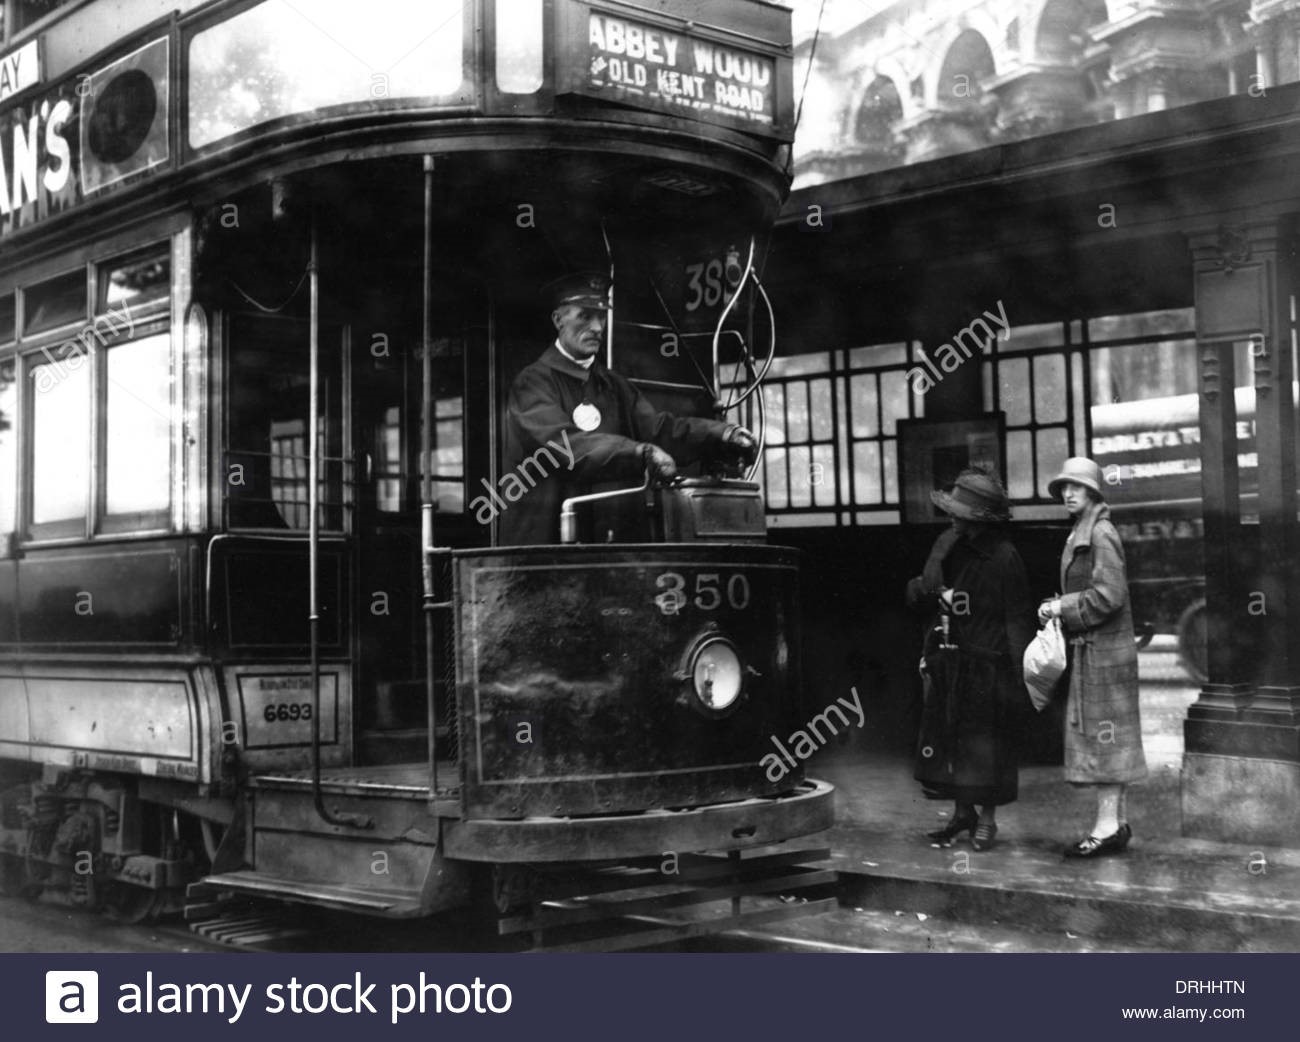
(20, 69)
(649, 66)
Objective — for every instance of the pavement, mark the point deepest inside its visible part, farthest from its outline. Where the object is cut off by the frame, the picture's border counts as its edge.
(1166, 893)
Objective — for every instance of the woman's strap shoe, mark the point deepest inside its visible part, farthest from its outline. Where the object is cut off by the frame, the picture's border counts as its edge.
(1091, 846)
(954, 828)
(983, 836)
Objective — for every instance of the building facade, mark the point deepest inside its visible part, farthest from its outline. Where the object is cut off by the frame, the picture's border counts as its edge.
(1025, 231)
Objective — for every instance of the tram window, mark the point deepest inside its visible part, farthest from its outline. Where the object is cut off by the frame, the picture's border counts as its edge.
(137, 427)
(7, 317)
(134, 280)
(55, 302)
(28, 12)
(449, 454)
(270, 61)
(268, 452)
(61, 444)
(520, 32)
(8, 453)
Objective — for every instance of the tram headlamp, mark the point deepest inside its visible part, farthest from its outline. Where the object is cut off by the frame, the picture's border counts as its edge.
(715, 674)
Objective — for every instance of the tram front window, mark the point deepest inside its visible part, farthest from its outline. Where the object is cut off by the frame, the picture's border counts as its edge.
(268, 451)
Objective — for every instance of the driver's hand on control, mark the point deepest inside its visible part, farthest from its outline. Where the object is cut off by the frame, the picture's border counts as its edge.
(741, 442)
(661, 467)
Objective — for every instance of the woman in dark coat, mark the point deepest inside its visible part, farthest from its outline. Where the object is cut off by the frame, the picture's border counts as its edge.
(975, 586)
(1103, 728)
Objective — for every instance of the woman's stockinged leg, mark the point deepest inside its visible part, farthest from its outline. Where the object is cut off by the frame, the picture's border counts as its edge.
(1108, 803)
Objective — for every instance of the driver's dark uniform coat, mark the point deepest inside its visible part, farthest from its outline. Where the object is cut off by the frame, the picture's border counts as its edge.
(539, 416)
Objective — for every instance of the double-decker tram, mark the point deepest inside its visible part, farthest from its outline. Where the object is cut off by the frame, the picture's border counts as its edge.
(267, 272)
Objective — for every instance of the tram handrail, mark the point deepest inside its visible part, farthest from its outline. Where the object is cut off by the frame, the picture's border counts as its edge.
(569, 520)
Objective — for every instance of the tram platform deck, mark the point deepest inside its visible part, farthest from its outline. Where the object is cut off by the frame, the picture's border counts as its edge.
(387, 781)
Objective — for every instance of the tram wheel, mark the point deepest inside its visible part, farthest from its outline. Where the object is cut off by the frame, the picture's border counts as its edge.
(1192, 641)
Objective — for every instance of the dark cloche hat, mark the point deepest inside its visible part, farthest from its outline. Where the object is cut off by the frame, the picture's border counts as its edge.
(586, 289)
(976, 496)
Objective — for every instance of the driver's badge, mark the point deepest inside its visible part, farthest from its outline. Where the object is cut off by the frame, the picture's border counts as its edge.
(586, 417)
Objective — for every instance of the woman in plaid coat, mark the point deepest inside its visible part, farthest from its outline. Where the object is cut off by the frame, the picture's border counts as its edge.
(1103, 727)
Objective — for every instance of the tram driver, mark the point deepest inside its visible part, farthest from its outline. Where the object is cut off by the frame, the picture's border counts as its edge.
(597, 427)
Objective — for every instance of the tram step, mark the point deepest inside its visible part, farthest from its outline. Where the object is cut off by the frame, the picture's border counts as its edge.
(393, 904)
(619, 907)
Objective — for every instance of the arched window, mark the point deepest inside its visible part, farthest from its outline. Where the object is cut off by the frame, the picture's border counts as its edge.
(1063, 29)
(881, 107)
(969, 60)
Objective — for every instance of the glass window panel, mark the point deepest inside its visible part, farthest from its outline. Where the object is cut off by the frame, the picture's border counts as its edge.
(135, 279)
(520, 32)
(1049, 388)
(269, 406)
(800, 477)
(1080, 393)
(866, 473)
(774, 396)
(7, 317)
(1140, 372)
(450, 496)
(865, 404)
(889, 452)
(823, 476)
(137, 428)
(1013, 385)
(1047, 334)
(281, 58)
(1020, 464)
(55, 302)
(986, 372)
(1053, 451)
(877, 355)
(895, 392)
(1143, 323)
(27, 12)
(60, 440)
(8, 451)
(797, 411)
(823, 413)
(801, 365)
(778, 485)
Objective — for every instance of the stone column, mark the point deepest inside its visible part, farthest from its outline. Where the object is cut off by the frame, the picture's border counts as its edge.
(1241, 770)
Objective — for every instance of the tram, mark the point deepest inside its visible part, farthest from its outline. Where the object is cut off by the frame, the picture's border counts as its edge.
(267, 273)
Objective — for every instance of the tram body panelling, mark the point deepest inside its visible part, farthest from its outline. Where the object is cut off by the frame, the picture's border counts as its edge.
(185, 686)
